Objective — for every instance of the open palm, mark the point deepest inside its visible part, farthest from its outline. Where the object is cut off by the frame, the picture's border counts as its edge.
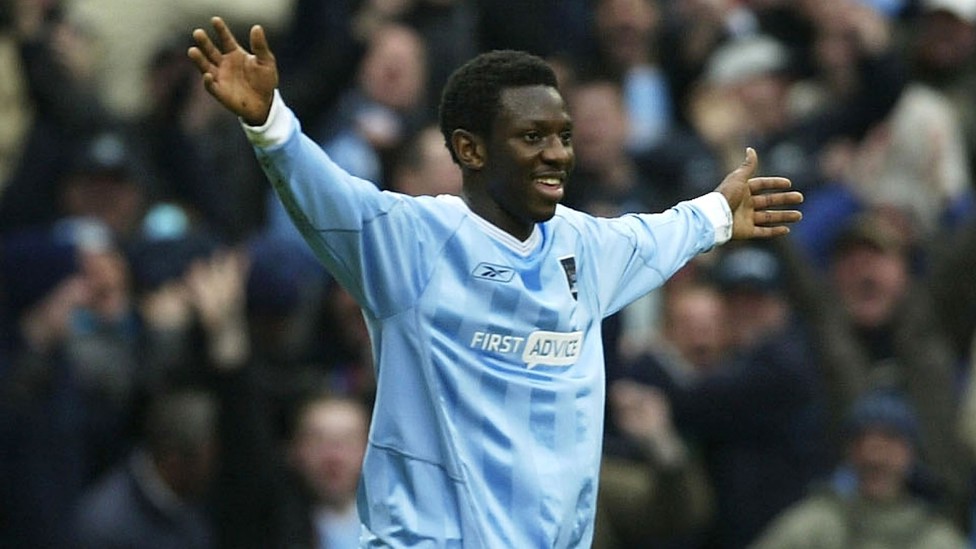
(242, 81)
(758, 203)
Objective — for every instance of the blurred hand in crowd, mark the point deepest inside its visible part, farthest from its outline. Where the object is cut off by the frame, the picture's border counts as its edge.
(644, 413)
(100, 286)
(216, 287)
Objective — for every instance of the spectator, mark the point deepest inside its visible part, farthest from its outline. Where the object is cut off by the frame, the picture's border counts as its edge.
(373, 117)
(424, 166)
(694, 326)
(891, 313)
(626, 33)
(154, 499)
(452, 22)
(914, 160)
(754, 73)
(103, 182)
(691, 31)
(326, 451)
(757, 417)
(291, 339)
(94, 328)
(46, 460)
(186, 146)
(878, 329)
(608, 180)
(872, 504)
(385, 105)
(80, 320)
(319, 41)
(268, 495)
(942, 45)
(55, 59)
(660, 493)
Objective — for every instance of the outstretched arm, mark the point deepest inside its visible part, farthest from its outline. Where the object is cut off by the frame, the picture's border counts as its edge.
(757, 202)
(243, 82)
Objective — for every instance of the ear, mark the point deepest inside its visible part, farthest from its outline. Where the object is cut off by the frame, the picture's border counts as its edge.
(469, 148)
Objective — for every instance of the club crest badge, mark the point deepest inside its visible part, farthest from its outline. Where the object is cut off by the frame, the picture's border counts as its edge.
(569, 268)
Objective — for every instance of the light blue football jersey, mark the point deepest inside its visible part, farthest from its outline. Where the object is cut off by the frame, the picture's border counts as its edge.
(488, 421)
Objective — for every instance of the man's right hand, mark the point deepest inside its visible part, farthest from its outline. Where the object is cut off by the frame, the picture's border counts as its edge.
(242, 81)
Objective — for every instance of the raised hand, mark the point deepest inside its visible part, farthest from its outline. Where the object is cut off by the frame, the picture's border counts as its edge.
(244, 82)
(217, 289)
(644, 413)
(756, 202)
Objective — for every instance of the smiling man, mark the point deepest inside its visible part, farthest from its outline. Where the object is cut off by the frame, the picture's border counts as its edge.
(484, 309)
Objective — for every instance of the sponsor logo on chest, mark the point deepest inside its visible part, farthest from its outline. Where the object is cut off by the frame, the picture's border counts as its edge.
(539, 348)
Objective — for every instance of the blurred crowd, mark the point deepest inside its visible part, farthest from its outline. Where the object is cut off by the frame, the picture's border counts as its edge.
(178, 371)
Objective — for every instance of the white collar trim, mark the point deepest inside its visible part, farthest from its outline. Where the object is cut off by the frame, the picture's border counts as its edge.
(523, 248)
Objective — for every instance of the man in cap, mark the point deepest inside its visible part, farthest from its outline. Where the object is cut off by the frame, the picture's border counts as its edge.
(871, 503)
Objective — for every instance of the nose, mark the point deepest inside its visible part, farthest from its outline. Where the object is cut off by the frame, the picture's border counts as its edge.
(557, 151)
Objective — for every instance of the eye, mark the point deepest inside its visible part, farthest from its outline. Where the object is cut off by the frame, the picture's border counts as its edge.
(566, 137)
(532, 136)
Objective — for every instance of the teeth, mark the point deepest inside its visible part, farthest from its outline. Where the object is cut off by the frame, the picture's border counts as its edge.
(549, 181)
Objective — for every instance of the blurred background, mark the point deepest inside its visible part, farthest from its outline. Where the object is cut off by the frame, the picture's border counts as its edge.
(176, 369)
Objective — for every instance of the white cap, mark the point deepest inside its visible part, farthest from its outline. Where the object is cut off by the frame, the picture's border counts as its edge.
(745, 58)
(963, 9)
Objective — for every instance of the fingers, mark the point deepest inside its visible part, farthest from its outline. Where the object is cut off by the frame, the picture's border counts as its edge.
(776, 199)
(259, 44)
(199, 59)
(763, 184)
(206, 47)
(751, 158)
(767, 218)
(227, 41)
(770, 232)
(749, 164)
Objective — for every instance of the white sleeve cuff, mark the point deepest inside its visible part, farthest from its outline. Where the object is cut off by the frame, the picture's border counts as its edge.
(716, 210)
(275, 129)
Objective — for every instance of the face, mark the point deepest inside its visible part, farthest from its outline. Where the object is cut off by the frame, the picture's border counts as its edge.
(328, 450)
(871, 284)
(882, 461)
(768, 311)
(695, 324)
(764, 99)
(625, 28)
(527, 160)
(394, 70)
(112, 198)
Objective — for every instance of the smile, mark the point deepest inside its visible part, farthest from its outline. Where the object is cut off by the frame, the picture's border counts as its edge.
(549, 181)
(550, 187)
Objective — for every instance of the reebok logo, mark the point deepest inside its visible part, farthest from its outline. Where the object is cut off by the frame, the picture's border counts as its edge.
(496, 273)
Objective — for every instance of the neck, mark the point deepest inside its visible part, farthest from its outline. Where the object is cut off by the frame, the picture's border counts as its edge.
(494, 214)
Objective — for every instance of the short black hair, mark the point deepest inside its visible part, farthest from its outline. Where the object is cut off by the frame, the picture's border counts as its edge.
(470, 99)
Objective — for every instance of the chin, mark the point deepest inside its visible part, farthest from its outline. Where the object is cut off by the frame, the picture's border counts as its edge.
(545, 211)
(542, 217)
